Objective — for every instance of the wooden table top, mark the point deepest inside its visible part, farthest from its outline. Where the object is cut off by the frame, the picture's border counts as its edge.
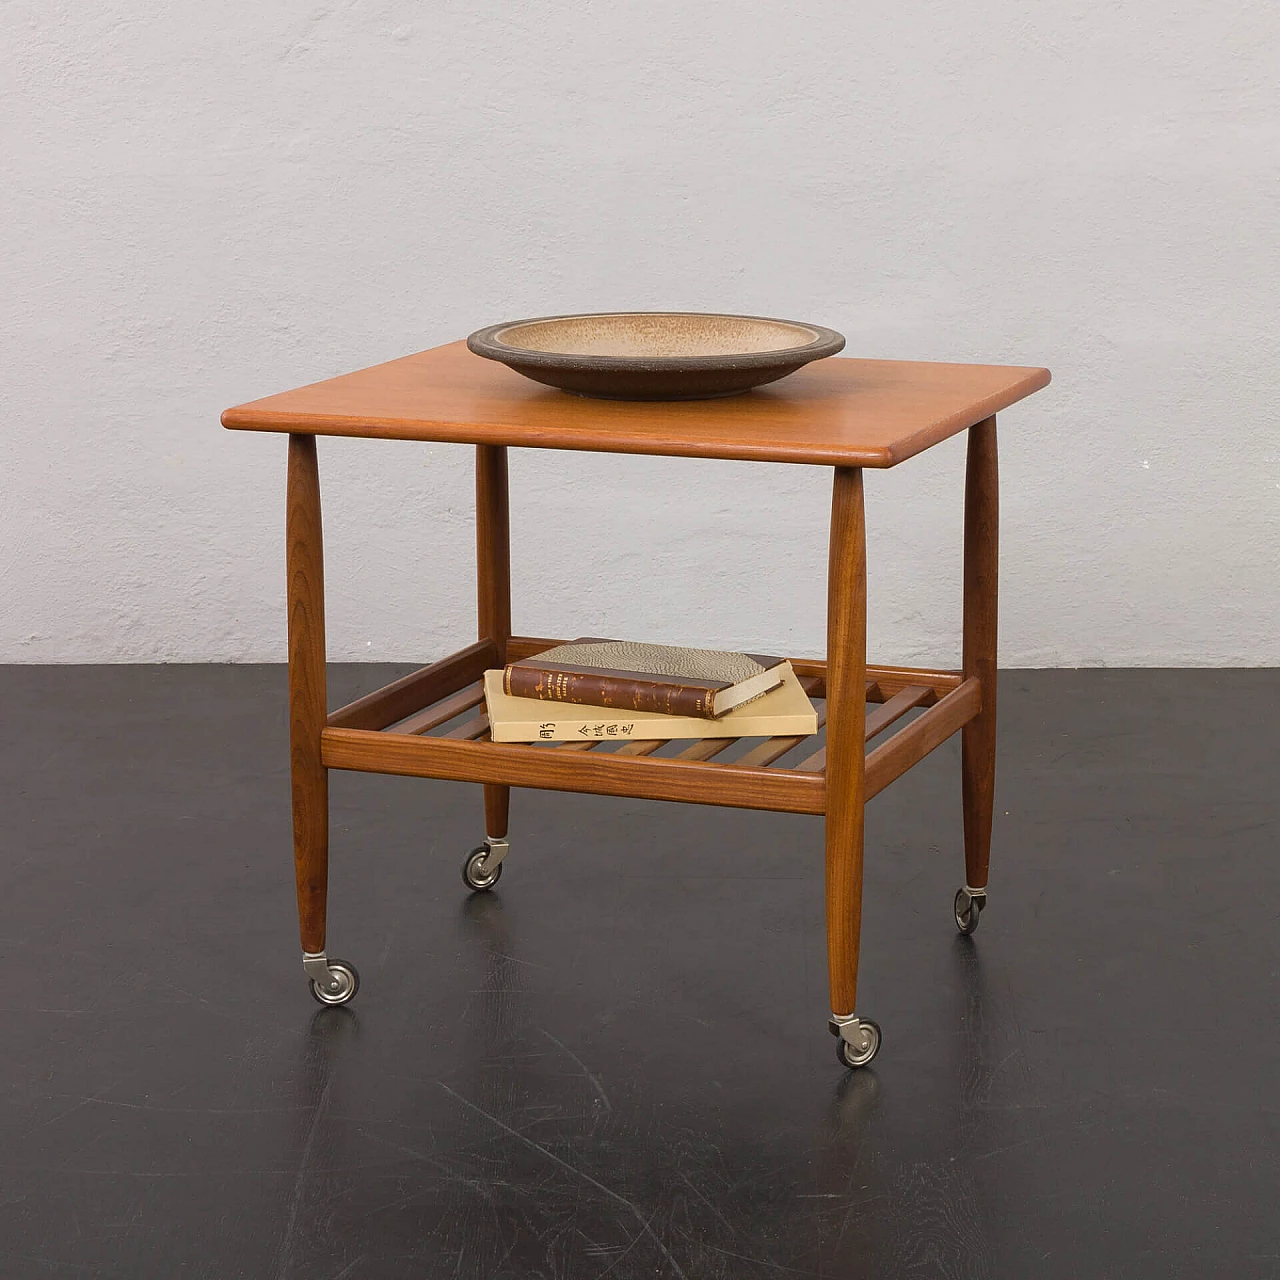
(843, 412)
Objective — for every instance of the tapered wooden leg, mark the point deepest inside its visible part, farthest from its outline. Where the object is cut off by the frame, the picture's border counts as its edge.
(307, 695)
(493, 598)
(981, 567)
(846, 729)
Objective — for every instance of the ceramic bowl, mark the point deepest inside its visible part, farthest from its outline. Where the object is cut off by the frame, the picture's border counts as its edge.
(655, 355)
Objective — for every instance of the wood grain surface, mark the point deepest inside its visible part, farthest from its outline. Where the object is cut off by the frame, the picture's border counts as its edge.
(846, 729)
(981, 588)
(432, 717)
(307, 689)
(909, 746)
(394, 702)
(845, 412)
(613, 774)
(493, 592)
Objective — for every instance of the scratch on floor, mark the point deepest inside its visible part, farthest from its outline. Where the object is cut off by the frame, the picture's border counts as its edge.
(425, 1156)
(350, 1267)
(299, 1182)
(590, 1075)
(386, 946)
(631, 1244)
(62, 1115)
(765, 1262)
(194, 1111)
(711, 1204)
(1008, 1146)
(563, 1164)
(502, 955)
(50, 1262)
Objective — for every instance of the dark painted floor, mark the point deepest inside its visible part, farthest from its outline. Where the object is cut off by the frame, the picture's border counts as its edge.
(618, 1064)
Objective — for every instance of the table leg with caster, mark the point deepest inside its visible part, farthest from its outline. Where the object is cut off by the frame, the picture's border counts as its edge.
(978, 737)
(857, 1039)
(483, 865)
(332, 981)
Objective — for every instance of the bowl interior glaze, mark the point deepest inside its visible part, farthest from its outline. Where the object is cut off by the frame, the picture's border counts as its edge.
(656, 335)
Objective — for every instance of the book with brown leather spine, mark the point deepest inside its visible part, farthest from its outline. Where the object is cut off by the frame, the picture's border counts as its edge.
(627, 676)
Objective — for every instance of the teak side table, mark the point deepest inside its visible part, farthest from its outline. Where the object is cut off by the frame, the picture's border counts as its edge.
(843, 413)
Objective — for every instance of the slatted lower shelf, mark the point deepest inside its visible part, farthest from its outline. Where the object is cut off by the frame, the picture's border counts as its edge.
(432, 724)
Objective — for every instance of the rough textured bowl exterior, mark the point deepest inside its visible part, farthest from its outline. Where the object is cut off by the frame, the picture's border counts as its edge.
(655, 355)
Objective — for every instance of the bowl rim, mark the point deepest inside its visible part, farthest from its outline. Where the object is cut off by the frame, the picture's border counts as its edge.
(485, 342)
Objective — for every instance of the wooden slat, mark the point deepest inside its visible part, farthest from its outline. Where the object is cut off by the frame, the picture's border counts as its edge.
(519, 647)
(893, 758)
(772, 749)
(641, 746)
(419, 689)
(525, 765)
(578, 746)
(884, 682)
(472, 728)
(429, 717)
(877, 722)
(914, 695)
(892, 680)
(704, 748)
(812, 673)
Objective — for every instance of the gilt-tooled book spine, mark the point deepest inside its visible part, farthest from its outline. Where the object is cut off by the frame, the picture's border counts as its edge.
(623, 675)
(619, 692)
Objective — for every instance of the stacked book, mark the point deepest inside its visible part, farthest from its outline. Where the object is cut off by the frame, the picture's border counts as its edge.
(617, 689)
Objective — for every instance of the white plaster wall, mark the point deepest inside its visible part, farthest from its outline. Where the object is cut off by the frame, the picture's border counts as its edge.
(205, 203)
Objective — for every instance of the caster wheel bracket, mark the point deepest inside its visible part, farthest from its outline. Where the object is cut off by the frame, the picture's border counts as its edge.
(968, 908)
(483, 865)
(332, 981)
(497, 850)
(858, 1039)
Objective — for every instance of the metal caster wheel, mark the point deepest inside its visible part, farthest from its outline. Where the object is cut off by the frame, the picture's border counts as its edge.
(857, 1041)
(968, 907)
(340, 984)
(478, 871)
